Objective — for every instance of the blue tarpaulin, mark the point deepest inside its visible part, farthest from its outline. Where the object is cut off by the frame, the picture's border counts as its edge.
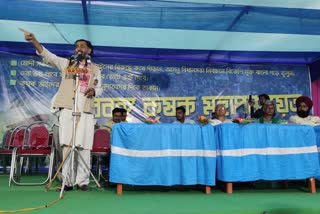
(212, 31)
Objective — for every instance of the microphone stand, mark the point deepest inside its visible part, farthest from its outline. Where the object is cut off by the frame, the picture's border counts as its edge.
(76, 118)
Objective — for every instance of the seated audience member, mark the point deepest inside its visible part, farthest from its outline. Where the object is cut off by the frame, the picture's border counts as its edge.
(259, 112)
(124, 115)
(304, 105)
(116, 118)
(181, 116)
(219, 115)
(269, 112)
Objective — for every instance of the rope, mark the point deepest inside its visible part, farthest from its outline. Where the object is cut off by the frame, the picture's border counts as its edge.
(31, 209)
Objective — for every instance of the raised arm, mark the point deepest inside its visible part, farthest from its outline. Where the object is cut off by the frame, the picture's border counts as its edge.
(31, 38)
(48, 57)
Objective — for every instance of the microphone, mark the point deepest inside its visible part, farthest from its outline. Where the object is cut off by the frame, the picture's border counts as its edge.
(75, 60)
(87, 59)
(79, 56)
(72, 60)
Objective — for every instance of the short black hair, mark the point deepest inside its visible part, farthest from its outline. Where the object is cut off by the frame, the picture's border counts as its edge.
(265, 96)
(116, 110)
(123, 110)
(88, 44)
(181, 108)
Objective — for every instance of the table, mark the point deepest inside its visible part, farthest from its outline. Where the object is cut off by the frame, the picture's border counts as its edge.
(317, 132)
(266, 152)
(163, 154)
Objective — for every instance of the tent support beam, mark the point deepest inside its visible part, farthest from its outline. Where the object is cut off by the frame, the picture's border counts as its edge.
(234, 22)
(85, 11)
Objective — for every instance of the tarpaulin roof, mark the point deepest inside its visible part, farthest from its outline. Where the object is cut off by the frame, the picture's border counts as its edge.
(245, 31)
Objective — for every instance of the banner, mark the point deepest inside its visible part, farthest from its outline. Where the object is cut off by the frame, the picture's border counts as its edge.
(151, 88)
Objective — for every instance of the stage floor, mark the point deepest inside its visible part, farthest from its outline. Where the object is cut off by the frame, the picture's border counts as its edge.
(166, 200)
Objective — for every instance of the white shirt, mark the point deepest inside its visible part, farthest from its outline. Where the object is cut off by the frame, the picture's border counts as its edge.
(217, 122)
(310, 120)
(186, 120)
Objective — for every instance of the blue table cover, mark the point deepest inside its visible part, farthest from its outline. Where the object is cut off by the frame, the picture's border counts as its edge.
(163, 154)
(266, 152)
(317, 131)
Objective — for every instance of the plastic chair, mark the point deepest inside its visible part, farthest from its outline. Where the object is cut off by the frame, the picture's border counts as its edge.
(101, 148)
(14, 138)
(5, 150)
(35, 144)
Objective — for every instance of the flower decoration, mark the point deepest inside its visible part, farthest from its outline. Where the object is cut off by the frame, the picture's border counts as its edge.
(151, 120)
(242, 120)
(237, 120)
(203, 120)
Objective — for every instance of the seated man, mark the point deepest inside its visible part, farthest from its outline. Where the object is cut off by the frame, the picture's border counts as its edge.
(123, 115)
(304, 105)
(259, 112)
(181, 116)
(116, 118)
(269, 113)
(219, 115)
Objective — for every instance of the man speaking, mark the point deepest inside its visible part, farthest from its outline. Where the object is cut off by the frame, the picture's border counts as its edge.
(88, 86)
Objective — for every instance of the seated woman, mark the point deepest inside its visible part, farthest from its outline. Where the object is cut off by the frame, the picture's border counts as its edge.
(269, 113)
(219, 115)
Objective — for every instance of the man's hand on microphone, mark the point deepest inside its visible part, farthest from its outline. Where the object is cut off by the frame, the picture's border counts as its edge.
(90, 93)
